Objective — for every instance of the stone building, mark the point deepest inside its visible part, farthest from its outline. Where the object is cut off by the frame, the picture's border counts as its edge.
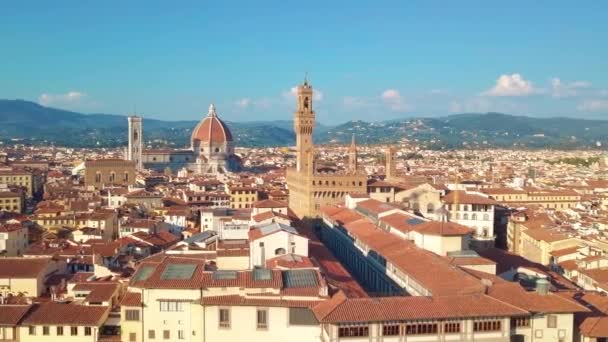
(311, 187)
(211, 149)
(109, 172)
(135, 148)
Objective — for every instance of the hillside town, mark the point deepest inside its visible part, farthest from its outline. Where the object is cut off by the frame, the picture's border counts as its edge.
(307, 243)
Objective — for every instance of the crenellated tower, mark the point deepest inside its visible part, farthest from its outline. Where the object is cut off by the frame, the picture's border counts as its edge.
(304, 122)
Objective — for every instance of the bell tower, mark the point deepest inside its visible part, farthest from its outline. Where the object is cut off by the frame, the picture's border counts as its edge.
(303, 124)
(134, 150)
(352, 156)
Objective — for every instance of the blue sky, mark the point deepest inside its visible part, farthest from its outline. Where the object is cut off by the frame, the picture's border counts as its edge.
(369, 60)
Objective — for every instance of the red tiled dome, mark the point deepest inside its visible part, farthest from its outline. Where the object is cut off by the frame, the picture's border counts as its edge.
(212, 129)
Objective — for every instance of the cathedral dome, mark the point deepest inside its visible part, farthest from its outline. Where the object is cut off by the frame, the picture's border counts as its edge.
(212, 129)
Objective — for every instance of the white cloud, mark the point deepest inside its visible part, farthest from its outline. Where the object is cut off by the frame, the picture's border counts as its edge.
(593, 106)
(317, 95)
(561, 89)
(243, 103)
(68, 99)
(511, 85)
(392, 98)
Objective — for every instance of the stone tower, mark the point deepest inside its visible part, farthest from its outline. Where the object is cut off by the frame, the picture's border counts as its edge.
(135, 140)
(352, 156)
(391, 167)
(304, 122)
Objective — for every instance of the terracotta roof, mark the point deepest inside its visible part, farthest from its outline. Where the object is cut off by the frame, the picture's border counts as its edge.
(594, 326)
(66, 314)
(270, 204)
(98, 291)
(23, 267)
(12, 314)
(514, 294)
(467, 198)
(565, 251)
(547, 235)
(212, 129)
(340, 309)
(131, 299)
(374, 207)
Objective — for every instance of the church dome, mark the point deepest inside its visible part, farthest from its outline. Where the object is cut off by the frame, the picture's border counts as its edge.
(212, 129)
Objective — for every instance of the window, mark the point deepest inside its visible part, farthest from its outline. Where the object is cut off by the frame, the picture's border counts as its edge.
(166, 334)
(151, 334)
(73, 331)
(87, 331)
(132, 337)
(390, 329)
(430, 208)
(551, 321)
(451, 327)
(421, 329)
(354, 330)
(224, 318)
(31, 330)
(46, 330)
(520, 322)
(132, 315)
(170, 306)
(181, 335)
(59, 331)
(262, 318)
(279, 251)
(479, 326)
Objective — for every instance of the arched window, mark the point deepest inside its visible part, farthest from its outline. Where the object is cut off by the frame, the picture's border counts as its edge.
(279, 251)
(306, 103)
(486, 217)
(98, 177)
(112, 177)
(217, 149)
(415, 206)
(430, 208)
(126, 177)
(465, 216)
(473, 216)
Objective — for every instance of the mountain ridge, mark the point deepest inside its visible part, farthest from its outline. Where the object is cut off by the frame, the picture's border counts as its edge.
(30, 122)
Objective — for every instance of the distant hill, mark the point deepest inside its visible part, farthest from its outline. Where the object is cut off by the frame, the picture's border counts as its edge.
(32, 123)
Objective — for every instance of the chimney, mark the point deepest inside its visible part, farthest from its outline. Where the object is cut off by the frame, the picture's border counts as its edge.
(542, 286)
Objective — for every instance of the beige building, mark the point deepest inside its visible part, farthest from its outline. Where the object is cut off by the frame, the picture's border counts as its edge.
(310, 187)
(63, 322)
(109, 172)
(30, 181)
(27, 275)
(12, 201)
(537, 244)
(242, 196)
(173, 299)
(549, 199)
(13, 239)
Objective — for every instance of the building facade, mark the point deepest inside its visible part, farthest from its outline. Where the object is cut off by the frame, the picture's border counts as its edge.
(103, 173)
(310, 188)
(211, 150)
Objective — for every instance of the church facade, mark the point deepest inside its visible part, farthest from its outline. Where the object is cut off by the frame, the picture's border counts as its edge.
(310, 187)
(211, 148)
